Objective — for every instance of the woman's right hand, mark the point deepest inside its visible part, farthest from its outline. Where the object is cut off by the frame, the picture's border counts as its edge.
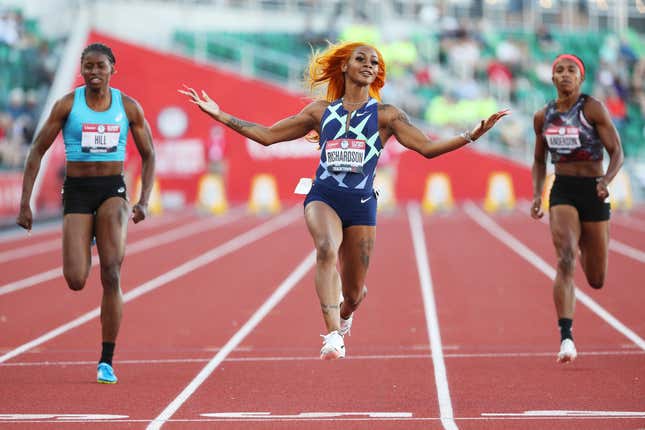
(25, 218)
(536, 208)
(205, 103)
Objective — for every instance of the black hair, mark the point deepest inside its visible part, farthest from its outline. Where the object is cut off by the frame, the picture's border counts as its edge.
(101, 49)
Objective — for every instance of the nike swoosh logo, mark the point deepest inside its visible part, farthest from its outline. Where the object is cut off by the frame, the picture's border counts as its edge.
(120, 190)
(360, 113)
(364, 200)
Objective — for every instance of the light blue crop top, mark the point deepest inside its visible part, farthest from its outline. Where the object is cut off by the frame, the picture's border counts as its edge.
(96, 136)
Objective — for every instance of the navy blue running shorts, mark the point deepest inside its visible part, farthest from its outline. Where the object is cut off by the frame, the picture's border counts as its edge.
(579, 192)
(84, 194)
(353, 208)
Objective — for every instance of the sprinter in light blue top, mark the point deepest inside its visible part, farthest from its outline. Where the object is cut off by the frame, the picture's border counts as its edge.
(96, 136)
(340, 208)
(95, 120)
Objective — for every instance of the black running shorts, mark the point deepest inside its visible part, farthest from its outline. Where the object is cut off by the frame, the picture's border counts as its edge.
(84, 194)
(579, 192)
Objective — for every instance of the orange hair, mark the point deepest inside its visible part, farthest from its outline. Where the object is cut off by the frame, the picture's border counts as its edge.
(326, 68)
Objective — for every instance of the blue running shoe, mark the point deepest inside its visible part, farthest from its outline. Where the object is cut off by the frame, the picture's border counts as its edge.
(105, 374)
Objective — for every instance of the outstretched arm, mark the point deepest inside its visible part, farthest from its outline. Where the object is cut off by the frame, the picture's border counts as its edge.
(412, 138)
(290, 128)
(142, 136)
(43, 141)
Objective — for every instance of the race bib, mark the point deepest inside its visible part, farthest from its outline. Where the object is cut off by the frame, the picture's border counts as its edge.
(99, 138)
(562, 139)
(345, 155)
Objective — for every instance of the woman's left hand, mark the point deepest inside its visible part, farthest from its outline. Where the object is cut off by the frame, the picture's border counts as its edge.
(139, 212)
(487, 124)
(601, 189)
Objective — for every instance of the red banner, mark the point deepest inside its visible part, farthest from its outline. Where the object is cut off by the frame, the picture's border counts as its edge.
(467, 169)
(10, 190)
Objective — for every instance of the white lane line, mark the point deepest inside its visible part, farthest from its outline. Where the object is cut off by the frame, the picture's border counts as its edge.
(30, 250)
(54, 244)
(135, 247)
(286, 286)
(18, 233)
(220, 251)
(564, 413)
(614, 245)
(306, 415)
(43, 227)
(60, 417)
(425, 278)
(523, 251)
(494, 355)
(335, 419)
(627, 250)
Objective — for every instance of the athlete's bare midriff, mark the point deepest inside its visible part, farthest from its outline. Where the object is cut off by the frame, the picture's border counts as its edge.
(579, 168)
(94, 168)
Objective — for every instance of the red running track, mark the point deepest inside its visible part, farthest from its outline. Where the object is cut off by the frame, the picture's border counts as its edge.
(221, 330)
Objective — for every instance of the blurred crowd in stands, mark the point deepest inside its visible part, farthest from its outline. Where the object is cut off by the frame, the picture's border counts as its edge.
(447, 73)
(27, 67)
(466, 70)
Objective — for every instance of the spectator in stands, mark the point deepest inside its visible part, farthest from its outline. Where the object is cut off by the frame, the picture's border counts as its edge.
(463, 55)
(16, 105)
(616, 107)
(576, 129)
(638, 85)
(95, 119)
(500, 80)
(10, 149)
(10, 27)
(340, 207)
(544, 38)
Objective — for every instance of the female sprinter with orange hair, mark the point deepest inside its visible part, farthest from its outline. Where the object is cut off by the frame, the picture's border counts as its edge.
(340, 209)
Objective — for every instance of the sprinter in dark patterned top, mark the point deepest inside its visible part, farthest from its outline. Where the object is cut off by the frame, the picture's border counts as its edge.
(575, 129)
(340, 208)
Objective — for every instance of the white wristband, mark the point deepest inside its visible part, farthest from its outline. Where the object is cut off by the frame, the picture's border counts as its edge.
(466, 135)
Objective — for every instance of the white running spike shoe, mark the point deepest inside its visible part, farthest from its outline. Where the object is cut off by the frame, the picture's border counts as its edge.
(567, 352)
(333, 346)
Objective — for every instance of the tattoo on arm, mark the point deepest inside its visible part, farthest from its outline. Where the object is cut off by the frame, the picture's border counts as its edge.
(238, 124)
(399, 116)
(326, 309)
(402, 117)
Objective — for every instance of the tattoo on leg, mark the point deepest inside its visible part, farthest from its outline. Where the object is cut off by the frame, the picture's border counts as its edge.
(326, 309)
(366, 249)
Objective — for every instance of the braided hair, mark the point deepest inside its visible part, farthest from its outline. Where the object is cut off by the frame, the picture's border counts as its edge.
(101, 49)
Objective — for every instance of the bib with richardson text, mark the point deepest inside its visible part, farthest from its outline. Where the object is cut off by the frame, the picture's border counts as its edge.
(562, 139)
(345, 155)
(100, 138)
